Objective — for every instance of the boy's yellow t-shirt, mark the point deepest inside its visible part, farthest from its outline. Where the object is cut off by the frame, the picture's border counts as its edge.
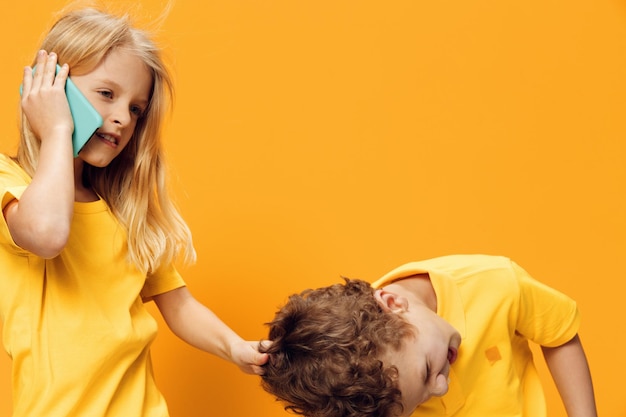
(497, 307)
(76, 326)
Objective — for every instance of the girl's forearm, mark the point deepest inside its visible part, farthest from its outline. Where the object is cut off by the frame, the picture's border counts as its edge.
(40, 221)
(194, 323)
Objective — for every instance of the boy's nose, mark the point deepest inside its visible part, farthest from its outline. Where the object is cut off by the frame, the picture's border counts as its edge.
(440, 386)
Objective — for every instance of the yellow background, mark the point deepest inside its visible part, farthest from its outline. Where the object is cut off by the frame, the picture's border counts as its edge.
(313, 139)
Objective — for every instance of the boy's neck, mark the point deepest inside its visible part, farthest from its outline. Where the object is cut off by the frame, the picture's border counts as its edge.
(419, 289)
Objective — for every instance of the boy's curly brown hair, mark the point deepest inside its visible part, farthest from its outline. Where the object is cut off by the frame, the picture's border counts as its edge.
(326, 353)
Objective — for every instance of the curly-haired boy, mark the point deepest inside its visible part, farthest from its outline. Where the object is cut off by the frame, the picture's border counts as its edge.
(447, 336)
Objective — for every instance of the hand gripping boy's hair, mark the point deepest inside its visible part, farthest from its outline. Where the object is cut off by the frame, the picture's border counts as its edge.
(326, 351)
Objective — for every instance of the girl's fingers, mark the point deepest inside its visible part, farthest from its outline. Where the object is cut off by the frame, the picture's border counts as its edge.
(27, 80)
(43, 97)
(50, 69)
(32, 76)
(39, 68)
(44, 72)
(61, 76)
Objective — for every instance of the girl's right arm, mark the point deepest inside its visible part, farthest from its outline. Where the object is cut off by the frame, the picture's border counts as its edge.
(40, 220)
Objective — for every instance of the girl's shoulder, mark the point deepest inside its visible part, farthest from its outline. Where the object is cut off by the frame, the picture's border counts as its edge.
(8, 162)
(11, 171)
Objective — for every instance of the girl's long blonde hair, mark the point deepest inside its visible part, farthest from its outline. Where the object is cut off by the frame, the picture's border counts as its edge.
(134, 184)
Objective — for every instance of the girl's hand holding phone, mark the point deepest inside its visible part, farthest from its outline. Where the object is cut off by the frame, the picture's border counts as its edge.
(44, 102)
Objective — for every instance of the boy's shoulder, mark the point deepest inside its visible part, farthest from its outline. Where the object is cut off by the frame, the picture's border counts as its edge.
(452, 267)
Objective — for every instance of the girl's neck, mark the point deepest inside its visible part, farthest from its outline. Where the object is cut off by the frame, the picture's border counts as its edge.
(82, 193)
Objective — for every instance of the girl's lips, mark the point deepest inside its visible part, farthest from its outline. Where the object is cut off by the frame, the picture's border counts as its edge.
(452, 354)
(111, 140)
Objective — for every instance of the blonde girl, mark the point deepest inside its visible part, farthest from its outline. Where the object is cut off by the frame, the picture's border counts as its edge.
(86, 241)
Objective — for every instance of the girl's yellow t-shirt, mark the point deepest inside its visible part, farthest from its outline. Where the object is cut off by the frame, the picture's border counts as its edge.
(76, 326)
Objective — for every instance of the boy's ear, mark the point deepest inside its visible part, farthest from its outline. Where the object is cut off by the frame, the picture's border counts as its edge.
(390, 301)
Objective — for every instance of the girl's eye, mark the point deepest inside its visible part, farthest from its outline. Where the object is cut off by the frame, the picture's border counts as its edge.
(106, 94)
(136, 110)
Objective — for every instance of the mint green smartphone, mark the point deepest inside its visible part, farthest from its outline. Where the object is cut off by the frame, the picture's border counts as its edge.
(86, 118)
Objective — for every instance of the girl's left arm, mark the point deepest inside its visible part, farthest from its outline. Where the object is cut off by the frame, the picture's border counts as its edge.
(200, 327)
(570, 371)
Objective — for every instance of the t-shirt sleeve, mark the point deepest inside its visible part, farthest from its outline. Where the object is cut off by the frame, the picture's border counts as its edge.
(167, 278)
(13, 182)
(8, 194)
(546, 316)
(11, 193)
